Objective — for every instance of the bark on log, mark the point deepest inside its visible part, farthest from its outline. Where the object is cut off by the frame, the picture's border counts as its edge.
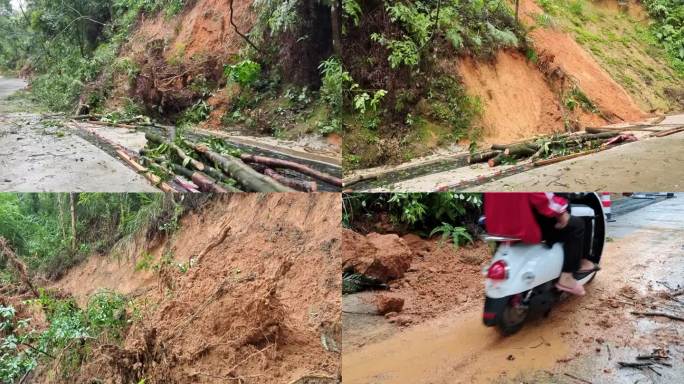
(496, 161)
(244, 174)
(303, 169)
(669, 132)
(152, 178)
(482, 157)
(300, 185)
(204, 182)
(523, 150)
(198, 165)
(213, 174)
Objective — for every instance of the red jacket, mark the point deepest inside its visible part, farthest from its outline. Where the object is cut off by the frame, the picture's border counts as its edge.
(511, 214)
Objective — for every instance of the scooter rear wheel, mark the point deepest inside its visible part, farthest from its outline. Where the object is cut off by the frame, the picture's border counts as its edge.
(513, 316)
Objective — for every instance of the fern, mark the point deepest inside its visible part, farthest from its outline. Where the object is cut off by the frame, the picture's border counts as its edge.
(458, 235)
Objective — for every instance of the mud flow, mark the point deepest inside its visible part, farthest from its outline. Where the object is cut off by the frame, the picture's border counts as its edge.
(423, 322)
(245, 291)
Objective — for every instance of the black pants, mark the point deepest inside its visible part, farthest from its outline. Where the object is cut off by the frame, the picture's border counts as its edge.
(572, 237)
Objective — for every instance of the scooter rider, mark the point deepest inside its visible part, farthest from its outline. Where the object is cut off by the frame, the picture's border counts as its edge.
(533, 217)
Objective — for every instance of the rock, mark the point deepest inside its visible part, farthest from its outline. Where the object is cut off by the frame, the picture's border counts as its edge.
(387, 304)
(383, 257)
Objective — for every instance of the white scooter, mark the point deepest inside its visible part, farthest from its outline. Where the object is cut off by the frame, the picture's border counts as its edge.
(521, 278)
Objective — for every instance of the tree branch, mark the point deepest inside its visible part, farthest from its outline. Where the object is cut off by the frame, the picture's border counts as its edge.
(244, 37)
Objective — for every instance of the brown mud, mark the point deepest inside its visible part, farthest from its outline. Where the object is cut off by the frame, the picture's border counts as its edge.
(518, 102)
(583, 337)
(258, 304)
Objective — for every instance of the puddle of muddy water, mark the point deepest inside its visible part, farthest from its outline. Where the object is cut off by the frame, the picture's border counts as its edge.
(457, 349)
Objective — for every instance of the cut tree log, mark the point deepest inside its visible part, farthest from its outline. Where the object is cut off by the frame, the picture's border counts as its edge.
(151, 177)
(213, 174)
(300, 185)
(482, 157)
(497, 160)
(669, 132)
(303, 169)
(244, 174)
(203, 181)
(522, 150)
(154, 138)
(238, 170)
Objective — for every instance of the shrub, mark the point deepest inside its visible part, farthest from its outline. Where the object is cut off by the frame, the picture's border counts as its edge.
(246, 73)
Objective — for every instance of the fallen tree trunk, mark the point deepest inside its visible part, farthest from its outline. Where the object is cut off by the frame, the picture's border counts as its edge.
(152, 178)
(669, 132)
(235, 168)
(18, 265)
(203, 181)
(154, 138)
(245, 175)
(523, 150)
(303, 169)
(214, 175)
(482, 157)
(496, 160)
(300, 185)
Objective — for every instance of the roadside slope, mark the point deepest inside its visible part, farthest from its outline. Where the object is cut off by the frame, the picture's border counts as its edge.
(259, 299)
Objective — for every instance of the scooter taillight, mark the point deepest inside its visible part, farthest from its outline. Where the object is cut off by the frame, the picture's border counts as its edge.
(498, 271)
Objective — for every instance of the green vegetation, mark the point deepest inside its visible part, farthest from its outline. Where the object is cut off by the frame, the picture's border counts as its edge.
(39, 226)
(640, 53)
(67, 44)
(669, 28)
(67, 339)
(458, 235)
(424, 213)
(246, 73)
(401, 98)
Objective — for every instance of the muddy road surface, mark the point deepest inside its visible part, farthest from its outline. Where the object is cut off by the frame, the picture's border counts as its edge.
(581, 341)
(41, 153)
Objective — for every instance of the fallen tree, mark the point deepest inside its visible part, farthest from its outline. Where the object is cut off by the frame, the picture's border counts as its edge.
(547, 148)
(231, 166)
(19, 266)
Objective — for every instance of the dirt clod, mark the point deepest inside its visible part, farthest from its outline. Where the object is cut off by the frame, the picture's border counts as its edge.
(388, 304)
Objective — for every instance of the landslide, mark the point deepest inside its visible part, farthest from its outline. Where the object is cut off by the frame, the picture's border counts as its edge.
(258, 303)
(173, 68)
(435, 278)
(607, 47)
(566, 65)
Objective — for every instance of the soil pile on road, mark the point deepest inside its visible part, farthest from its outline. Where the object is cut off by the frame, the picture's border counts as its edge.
(382, 257)
(435, 276)
(441, 277)
(258, 304)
